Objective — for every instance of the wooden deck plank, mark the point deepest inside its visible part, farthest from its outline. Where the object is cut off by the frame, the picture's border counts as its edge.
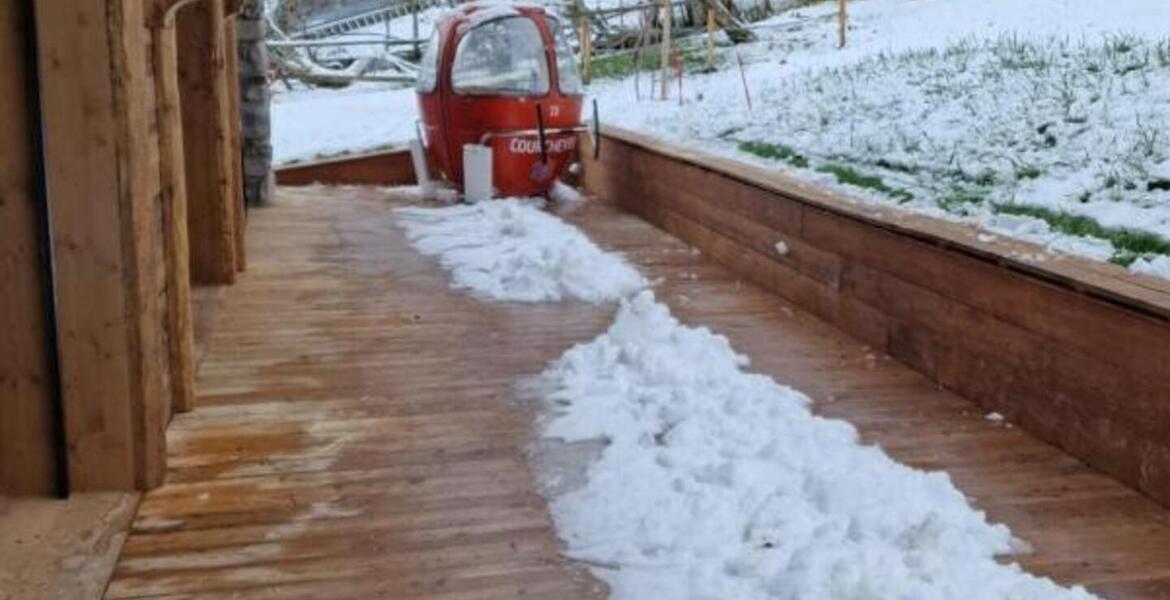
(356, 433)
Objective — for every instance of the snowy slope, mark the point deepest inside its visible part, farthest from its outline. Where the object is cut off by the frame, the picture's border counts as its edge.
(309, 124)
(1042, 120)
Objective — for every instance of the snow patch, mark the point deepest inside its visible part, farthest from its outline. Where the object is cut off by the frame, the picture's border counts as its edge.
(718, 483)
(1158, 266)
(565, 194)
(321, 123)
(512, 250)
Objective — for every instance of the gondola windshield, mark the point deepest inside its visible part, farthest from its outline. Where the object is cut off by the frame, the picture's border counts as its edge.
(568, 77)
(502, 56)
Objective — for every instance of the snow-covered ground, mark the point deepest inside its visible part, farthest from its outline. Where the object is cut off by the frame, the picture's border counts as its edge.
(513, 250)
(1045, 120)
(718, 483)
(318, 123)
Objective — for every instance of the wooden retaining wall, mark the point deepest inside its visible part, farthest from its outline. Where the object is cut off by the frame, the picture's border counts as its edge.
(392, 167)
(1078, 353)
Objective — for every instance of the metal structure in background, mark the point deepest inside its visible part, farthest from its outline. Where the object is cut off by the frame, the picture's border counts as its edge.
(336, 52)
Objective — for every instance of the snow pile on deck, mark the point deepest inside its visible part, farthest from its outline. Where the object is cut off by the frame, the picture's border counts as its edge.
(512, 250)
(717, 483)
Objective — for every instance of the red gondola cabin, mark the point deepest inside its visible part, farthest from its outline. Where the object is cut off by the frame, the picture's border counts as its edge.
(501, 76)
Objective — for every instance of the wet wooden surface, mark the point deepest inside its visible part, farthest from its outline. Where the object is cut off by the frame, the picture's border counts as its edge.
(355, 434)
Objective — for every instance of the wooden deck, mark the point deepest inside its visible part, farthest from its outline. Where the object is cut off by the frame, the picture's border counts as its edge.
(355, 435)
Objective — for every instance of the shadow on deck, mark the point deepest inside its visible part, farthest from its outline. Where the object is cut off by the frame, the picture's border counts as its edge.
(355, 434)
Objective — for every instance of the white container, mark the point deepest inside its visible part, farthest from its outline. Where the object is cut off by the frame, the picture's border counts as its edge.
(477, 173)
(421, 173)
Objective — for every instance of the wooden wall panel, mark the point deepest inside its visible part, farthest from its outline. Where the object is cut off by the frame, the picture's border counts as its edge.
(102, 172)
(27, 464)
(1077, 355)
(206, 143)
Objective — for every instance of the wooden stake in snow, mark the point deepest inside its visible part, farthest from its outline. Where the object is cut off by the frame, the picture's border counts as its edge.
(638, 56)
(710, 39)
(842, 21)
(678, 69)
(667, 17)
(417, 52)
(586, 49)
(743, 78)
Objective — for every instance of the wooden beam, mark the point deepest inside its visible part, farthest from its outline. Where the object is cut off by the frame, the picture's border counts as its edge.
(101, 160)
(206, 143)
(27, 464)
(235, 152)
(173, 176)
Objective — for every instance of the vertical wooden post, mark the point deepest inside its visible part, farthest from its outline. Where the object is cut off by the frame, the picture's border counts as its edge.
(206, 142)
(710, 39)
(101, 165)
(586, 49)
(414, 28)
(667, 17)
(235, 153)
(173, 177)
(842, 22)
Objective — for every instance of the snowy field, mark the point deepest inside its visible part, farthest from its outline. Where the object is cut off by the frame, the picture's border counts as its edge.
(713, 482)
(319, 123)
(1046, 120)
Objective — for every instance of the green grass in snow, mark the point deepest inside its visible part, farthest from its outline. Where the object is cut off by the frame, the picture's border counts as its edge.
(1129, 244)
(775, 152)
(850, 176)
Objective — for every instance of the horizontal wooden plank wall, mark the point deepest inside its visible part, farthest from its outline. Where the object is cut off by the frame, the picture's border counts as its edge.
(1076, 353)
(392, 167)
(26, 454)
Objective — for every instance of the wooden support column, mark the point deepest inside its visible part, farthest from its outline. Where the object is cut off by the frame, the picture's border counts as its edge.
(101, 164)
(27, 465)
(204, 97)
(236, 154)
(173, 176)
